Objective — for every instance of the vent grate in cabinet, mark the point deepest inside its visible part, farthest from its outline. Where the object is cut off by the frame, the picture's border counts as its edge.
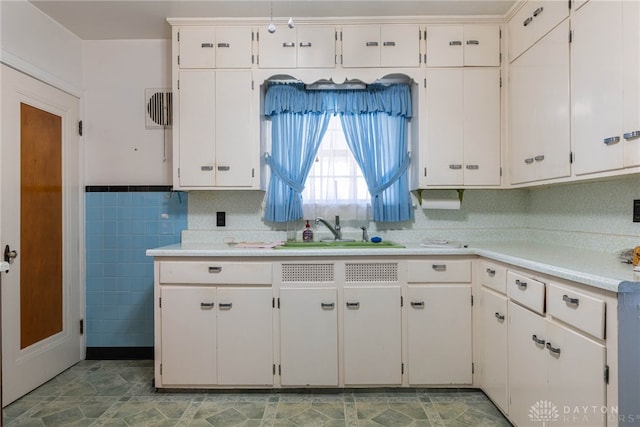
(371, 272)
(307, 273)
(159, 106)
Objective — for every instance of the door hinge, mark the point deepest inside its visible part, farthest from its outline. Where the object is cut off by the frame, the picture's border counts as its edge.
(500, 81)
(473, 368)
(280, 370)
(253, 59)
(571, 157)
(161, 369)
(401, 301)
(159, 302)
(500, 170)
(606, 374)
(178, 85)
(425, 80)
(178, 59)
(336, 35)
(402, 368)
(178, 172)
(274, 369)
(340, 35)
(80, 127)
(253, 172)
(252, 85)
(81, 326)
(570, 36)
(500, 57)
(569, 4)
(273, 305)
(500, 33)
(178, 35)
(253, 35)
(472, 300)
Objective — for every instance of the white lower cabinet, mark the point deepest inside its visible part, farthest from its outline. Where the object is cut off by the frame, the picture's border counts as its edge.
(439, 334)
(494, 345)
(308, 336)
(372, 335)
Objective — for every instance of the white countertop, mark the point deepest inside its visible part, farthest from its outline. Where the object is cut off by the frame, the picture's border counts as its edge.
(598, 269)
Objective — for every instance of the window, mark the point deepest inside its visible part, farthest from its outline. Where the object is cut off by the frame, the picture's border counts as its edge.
(335, 185)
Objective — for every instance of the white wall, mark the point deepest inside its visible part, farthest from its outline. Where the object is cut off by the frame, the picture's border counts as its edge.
(37, 45)
(119, 149)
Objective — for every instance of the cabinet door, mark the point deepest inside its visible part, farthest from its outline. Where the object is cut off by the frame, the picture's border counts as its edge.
(372, 335)
(197, 47)
(233, 47)
(481, 126)
(197, 133)
(188, 322)
(309, 337)
(316, 47)
(445, 46)
(233, 129)
(277, 50)
(399, 46)
(245, 336)
(445, 130)
(493, 311)
(597, 87)
(576, 375)
(481, 45)
(631, 82)
(439, 334)
(527, 363)
(361, 46)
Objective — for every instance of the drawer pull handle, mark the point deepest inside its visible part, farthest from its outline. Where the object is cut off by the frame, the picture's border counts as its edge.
(288, 44)
(371, 44)
(225, 306)
(539, 158)
(207, 305)
(552, 349)
(224, 45)
(538, 11)
(307, 44)
(520, 284)
(206, 168)
(455, 43)
(473, 167)
(529, 160)
(439, 267)
(327, 305)
(538, 340)
(569, 300)
(206, 45)
(631, 135)
(476, 42)
(491, 272)
(527, 21)
(388, 43)
(611, 140)
(417, 304)
(215, 269)
(223, 168)
(455, 166)
(500, 317)
(353, 305)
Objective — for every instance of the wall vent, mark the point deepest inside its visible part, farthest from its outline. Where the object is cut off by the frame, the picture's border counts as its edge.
(313, 273)
(159, 108)
(371, 272)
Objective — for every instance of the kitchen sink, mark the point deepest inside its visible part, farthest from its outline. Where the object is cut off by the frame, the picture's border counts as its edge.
(338, 245)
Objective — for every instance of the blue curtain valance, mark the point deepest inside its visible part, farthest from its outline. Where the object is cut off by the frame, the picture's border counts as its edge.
(394, 100)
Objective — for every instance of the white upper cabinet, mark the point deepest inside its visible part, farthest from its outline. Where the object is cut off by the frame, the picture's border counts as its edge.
(300, 47)
(532, 22)
(631, 82)
(463, 45)
(215, 47)
(365, 46)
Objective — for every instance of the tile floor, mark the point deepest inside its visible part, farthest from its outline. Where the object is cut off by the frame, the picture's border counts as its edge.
(120, 393)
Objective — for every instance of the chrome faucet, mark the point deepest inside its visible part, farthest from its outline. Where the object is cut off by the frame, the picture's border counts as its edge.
(337, 234)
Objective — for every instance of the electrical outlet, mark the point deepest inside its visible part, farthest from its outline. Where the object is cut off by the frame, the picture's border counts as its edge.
(636, 211)
(221, 219)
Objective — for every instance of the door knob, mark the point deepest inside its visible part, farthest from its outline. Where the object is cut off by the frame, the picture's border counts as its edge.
(9, 255)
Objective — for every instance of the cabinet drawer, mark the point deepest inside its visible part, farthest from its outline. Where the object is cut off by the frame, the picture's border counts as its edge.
(577, 309)
(493, 276)
(215, 272)
(525, 290)
(439, 271)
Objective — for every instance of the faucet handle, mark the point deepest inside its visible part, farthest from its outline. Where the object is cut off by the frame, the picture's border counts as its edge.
(365, 236)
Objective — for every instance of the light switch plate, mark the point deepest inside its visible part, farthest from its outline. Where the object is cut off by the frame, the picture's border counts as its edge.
(221, 219)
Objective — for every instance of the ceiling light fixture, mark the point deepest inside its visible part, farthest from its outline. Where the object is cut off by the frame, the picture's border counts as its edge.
(271, 28)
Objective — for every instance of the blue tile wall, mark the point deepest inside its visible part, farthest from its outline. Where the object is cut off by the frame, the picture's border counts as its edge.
(120, 227)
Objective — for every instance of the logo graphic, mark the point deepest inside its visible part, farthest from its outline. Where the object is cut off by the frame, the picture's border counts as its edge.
(543, 411)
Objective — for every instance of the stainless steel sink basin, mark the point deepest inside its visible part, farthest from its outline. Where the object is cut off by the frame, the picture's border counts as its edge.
(338, 245)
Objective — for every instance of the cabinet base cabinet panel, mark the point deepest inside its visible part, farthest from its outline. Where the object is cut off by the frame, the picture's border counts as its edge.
(494, 347)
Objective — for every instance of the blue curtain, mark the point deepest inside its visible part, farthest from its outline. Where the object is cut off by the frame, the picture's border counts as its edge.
(375, 125)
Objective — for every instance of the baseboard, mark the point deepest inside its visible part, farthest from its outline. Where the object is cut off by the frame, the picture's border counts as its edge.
(119, 353)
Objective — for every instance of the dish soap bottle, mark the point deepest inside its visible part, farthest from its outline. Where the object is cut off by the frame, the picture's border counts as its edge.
(307, 233)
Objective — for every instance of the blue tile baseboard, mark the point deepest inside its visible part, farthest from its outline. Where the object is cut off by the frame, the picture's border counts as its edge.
(119, 353)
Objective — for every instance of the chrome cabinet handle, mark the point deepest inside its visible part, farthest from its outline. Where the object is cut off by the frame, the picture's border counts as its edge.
(473, 167)
(529, 160)
(500, 317)
(388, 43)
(455, 43)
(353, 305)
(522, 285)
(371, 44)
(215, 269)
(473, 42)
(439, 267)
(307, 44)
(455, 166)
(527, 21)
(206, 305)
(491, 272)
(206, 168)
(611, 140)
(288, 44)
(539, 158)
(327, 305)
(552, 349)
(538, 340)
(223, 168)
(631, 135)
(538, 11)
(417, 304)
(224, 45)
(569, 300)
(225, 306)
(206, 45)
